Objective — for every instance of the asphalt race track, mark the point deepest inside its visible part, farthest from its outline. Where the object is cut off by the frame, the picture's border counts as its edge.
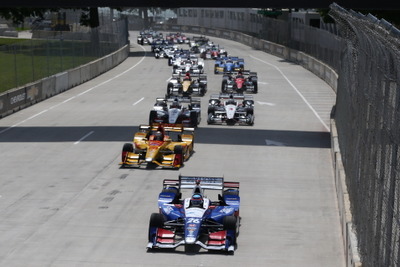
(64, 201)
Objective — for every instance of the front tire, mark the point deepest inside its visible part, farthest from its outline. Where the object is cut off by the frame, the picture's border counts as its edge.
(156, 220)
(178, 160)
(127, 148)
(209, 118)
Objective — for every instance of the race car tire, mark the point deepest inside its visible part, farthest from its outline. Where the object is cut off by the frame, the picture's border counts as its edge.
(170, 190)
(224, 86)
(169, 61)
(255, 90)
(202, 90)
(175, 191)
(215, 68)
(211, 110)
(250, 119)
(152, 116)
(231, 193)
(156, 220)
(128, 147)
(169, 89)
(250, 111)
(178, 151)
(230, 223)
(209, 118)
(194, 119)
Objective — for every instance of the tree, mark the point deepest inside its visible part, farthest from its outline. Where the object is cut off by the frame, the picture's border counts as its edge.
(18, 15)
(89, 16)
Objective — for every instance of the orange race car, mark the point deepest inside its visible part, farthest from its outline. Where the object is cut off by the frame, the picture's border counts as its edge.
(164, 145)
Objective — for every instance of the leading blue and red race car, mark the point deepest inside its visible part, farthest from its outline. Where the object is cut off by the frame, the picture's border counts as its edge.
(196, 221)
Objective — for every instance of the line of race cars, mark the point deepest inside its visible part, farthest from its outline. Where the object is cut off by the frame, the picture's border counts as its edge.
(194, 221)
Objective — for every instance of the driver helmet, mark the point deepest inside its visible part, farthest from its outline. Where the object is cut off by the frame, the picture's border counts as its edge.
(175, 104)
(231, 100)
(158, 136)
(196, 200)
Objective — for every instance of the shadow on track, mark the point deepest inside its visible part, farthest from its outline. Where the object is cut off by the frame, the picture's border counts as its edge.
(203, 135)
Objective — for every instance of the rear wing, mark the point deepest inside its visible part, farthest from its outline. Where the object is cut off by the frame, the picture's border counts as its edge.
(192, 75)
(168, 127)
(205, 182)
(181, 99)
(235, 96)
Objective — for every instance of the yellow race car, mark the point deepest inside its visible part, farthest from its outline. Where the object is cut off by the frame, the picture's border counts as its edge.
(164, 145)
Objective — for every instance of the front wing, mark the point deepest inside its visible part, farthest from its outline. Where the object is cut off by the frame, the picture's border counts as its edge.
(163, 238)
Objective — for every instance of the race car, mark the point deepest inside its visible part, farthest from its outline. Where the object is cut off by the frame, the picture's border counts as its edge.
(213, 52)
(228, 64)
(191, 64)
(159, 145)
(239, 82)
(147, 37)
(199, 41)
(196, 220)
(179, 54)
(179, 38)
(186, 84)
(182, 110)
(231, 109)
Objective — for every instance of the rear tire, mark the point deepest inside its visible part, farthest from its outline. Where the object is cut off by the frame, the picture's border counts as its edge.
(169, 89)
(224, 86)
(194, 119)
(255, 87)
(152, 116)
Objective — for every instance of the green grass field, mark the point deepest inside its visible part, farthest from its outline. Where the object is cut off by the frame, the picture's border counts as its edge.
(23, 61)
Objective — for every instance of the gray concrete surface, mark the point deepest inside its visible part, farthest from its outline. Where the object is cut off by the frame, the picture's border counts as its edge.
(65, 202)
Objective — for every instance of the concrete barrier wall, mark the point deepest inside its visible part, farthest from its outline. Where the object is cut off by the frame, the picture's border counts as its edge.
(19, 98)
(350, 242)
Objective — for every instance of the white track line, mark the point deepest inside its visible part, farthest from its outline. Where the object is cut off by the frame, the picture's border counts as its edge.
(297, 91)
(69, 99)
(137, 102)
(83, 138)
